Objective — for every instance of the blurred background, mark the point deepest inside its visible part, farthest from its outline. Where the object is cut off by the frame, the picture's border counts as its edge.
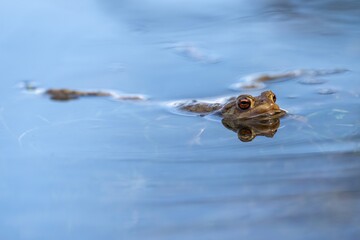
(103, 169)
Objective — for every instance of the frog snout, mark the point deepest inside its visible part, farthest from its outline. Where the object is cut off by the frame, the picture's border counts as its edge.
(273, 105)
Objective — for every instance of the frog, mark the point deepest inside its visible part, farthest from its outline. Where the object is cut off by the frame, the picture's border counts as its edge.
(248, 116)
(305, 76)
(64, 94)
(242, 107)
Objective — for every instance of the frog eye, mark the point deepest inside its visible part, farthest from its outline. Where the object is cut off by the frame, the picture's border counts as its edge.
(274, 98)
(243, 103)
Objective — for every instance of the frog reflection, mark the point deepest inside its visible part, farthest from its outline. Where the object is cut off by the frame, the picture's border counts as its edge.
(248, 130)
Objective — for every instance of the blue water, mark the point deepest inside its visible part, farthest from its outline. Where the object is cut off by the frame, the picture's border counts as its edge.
(102, 169)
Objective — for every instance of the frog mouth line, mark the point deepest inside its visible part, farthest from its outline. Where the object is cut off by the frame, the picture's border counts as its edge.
(276, 114)
(269, 115)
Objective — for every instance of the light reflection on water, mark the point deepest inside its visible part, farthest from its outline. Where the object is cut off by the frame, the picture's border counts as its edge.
(97, 168)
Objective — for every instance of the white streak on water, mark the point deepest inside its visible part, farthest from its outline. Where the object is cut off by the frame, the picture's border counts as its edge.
(20, 138)
(4, 124)
(43, 119)
(197, 138)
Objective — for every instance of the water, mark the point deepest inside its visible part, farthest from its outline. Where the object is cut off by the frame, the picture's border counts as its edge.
(102, 169)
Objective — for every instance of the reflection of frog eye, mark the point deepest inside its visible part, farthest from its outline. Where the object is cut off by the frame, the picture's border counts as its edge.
(274, 98)
(244, 103)
(245, 134)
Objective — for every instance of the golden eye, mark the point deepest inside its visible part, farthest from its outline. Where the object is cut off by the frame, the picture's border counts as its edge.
(243, 103)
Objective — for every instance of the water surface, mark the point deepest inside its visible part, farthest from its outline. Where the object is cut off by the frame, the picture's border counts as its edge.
(103, 169)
